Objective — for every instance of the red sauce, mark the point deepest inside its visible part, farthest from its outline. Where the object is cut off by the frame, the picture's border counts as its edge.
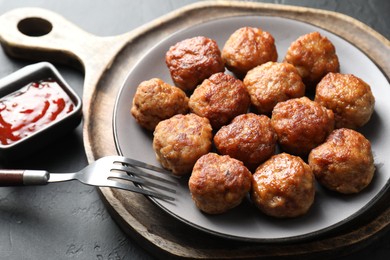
(31, 109)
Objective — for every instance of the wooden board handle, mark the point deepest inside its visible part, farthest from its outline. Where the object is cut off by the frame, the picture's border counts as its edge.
(41, 35)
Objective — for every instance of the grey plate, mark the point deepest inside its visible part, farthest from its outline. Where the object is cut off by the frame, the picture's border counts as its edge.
(330, 211)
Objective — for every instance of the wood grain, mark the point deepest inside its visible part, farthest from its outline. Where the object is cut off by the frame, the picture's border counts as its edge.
(107, 61)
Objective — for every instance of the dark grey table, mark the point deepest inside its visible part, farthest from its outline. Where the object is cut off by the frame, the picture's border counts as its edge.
(68, 220)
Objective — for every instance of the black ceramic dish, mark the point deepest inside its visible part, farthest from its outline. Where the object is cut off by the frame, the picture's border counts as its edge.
(57, 128)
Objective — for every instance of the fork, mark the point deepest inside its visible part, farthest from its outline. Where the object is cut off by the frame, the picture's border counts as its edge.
(110, 171)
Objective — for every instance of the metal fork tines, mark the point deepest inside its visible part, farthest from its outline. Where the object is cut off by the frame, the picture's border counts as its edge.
(152, 184)
(111, 171)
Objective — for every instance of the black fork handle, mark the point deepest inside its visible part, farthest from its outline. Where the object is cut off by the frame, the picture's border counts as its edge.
(23, 177)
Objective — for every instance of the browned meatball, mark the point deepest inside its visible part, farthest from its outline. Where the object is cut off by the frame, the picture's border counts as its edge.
(220, 98)
(314, 56)
(193, 60)
(348, 96)
(271, 83)
(344, 163)
(249, 138)
(155, 101)
(301, 124)
(179, 141)
(219, 183)
(283, 186)
(246, 48)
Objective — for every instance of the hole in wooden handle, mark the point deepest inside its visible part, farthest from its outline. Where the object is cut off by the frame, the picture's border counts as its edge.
(34, 26)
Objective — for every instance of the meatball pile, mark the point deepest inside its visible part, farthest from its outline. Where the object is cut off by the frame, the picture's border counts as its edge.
(251, 131)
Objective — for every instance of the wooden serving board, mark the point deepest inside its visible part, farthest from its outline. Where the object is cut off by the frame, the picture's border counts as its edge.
(106, 62)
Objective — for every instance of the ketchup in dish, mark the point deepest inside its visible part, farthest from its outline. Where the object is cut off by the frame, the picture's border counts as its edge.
(31, 109)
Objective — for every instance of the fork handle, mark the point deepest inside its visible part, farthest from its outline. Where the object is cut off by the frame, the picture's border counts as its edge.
(23, 177)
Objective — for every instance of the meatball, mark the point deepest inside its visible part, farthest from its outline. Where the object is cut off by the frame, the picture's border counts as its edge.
(193, 60)
(349, 97)
(301, 125)
(180, 140)
(271, 83)
(249, 138)
(220, 98)
(219, 183)
(344, 163)
(314, 56)
(283, 186)
(246, 48)
(155, 101)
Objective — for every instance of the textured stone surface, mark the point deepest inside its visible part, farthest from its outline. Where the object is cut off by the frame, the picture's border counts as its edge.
(68, 220)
